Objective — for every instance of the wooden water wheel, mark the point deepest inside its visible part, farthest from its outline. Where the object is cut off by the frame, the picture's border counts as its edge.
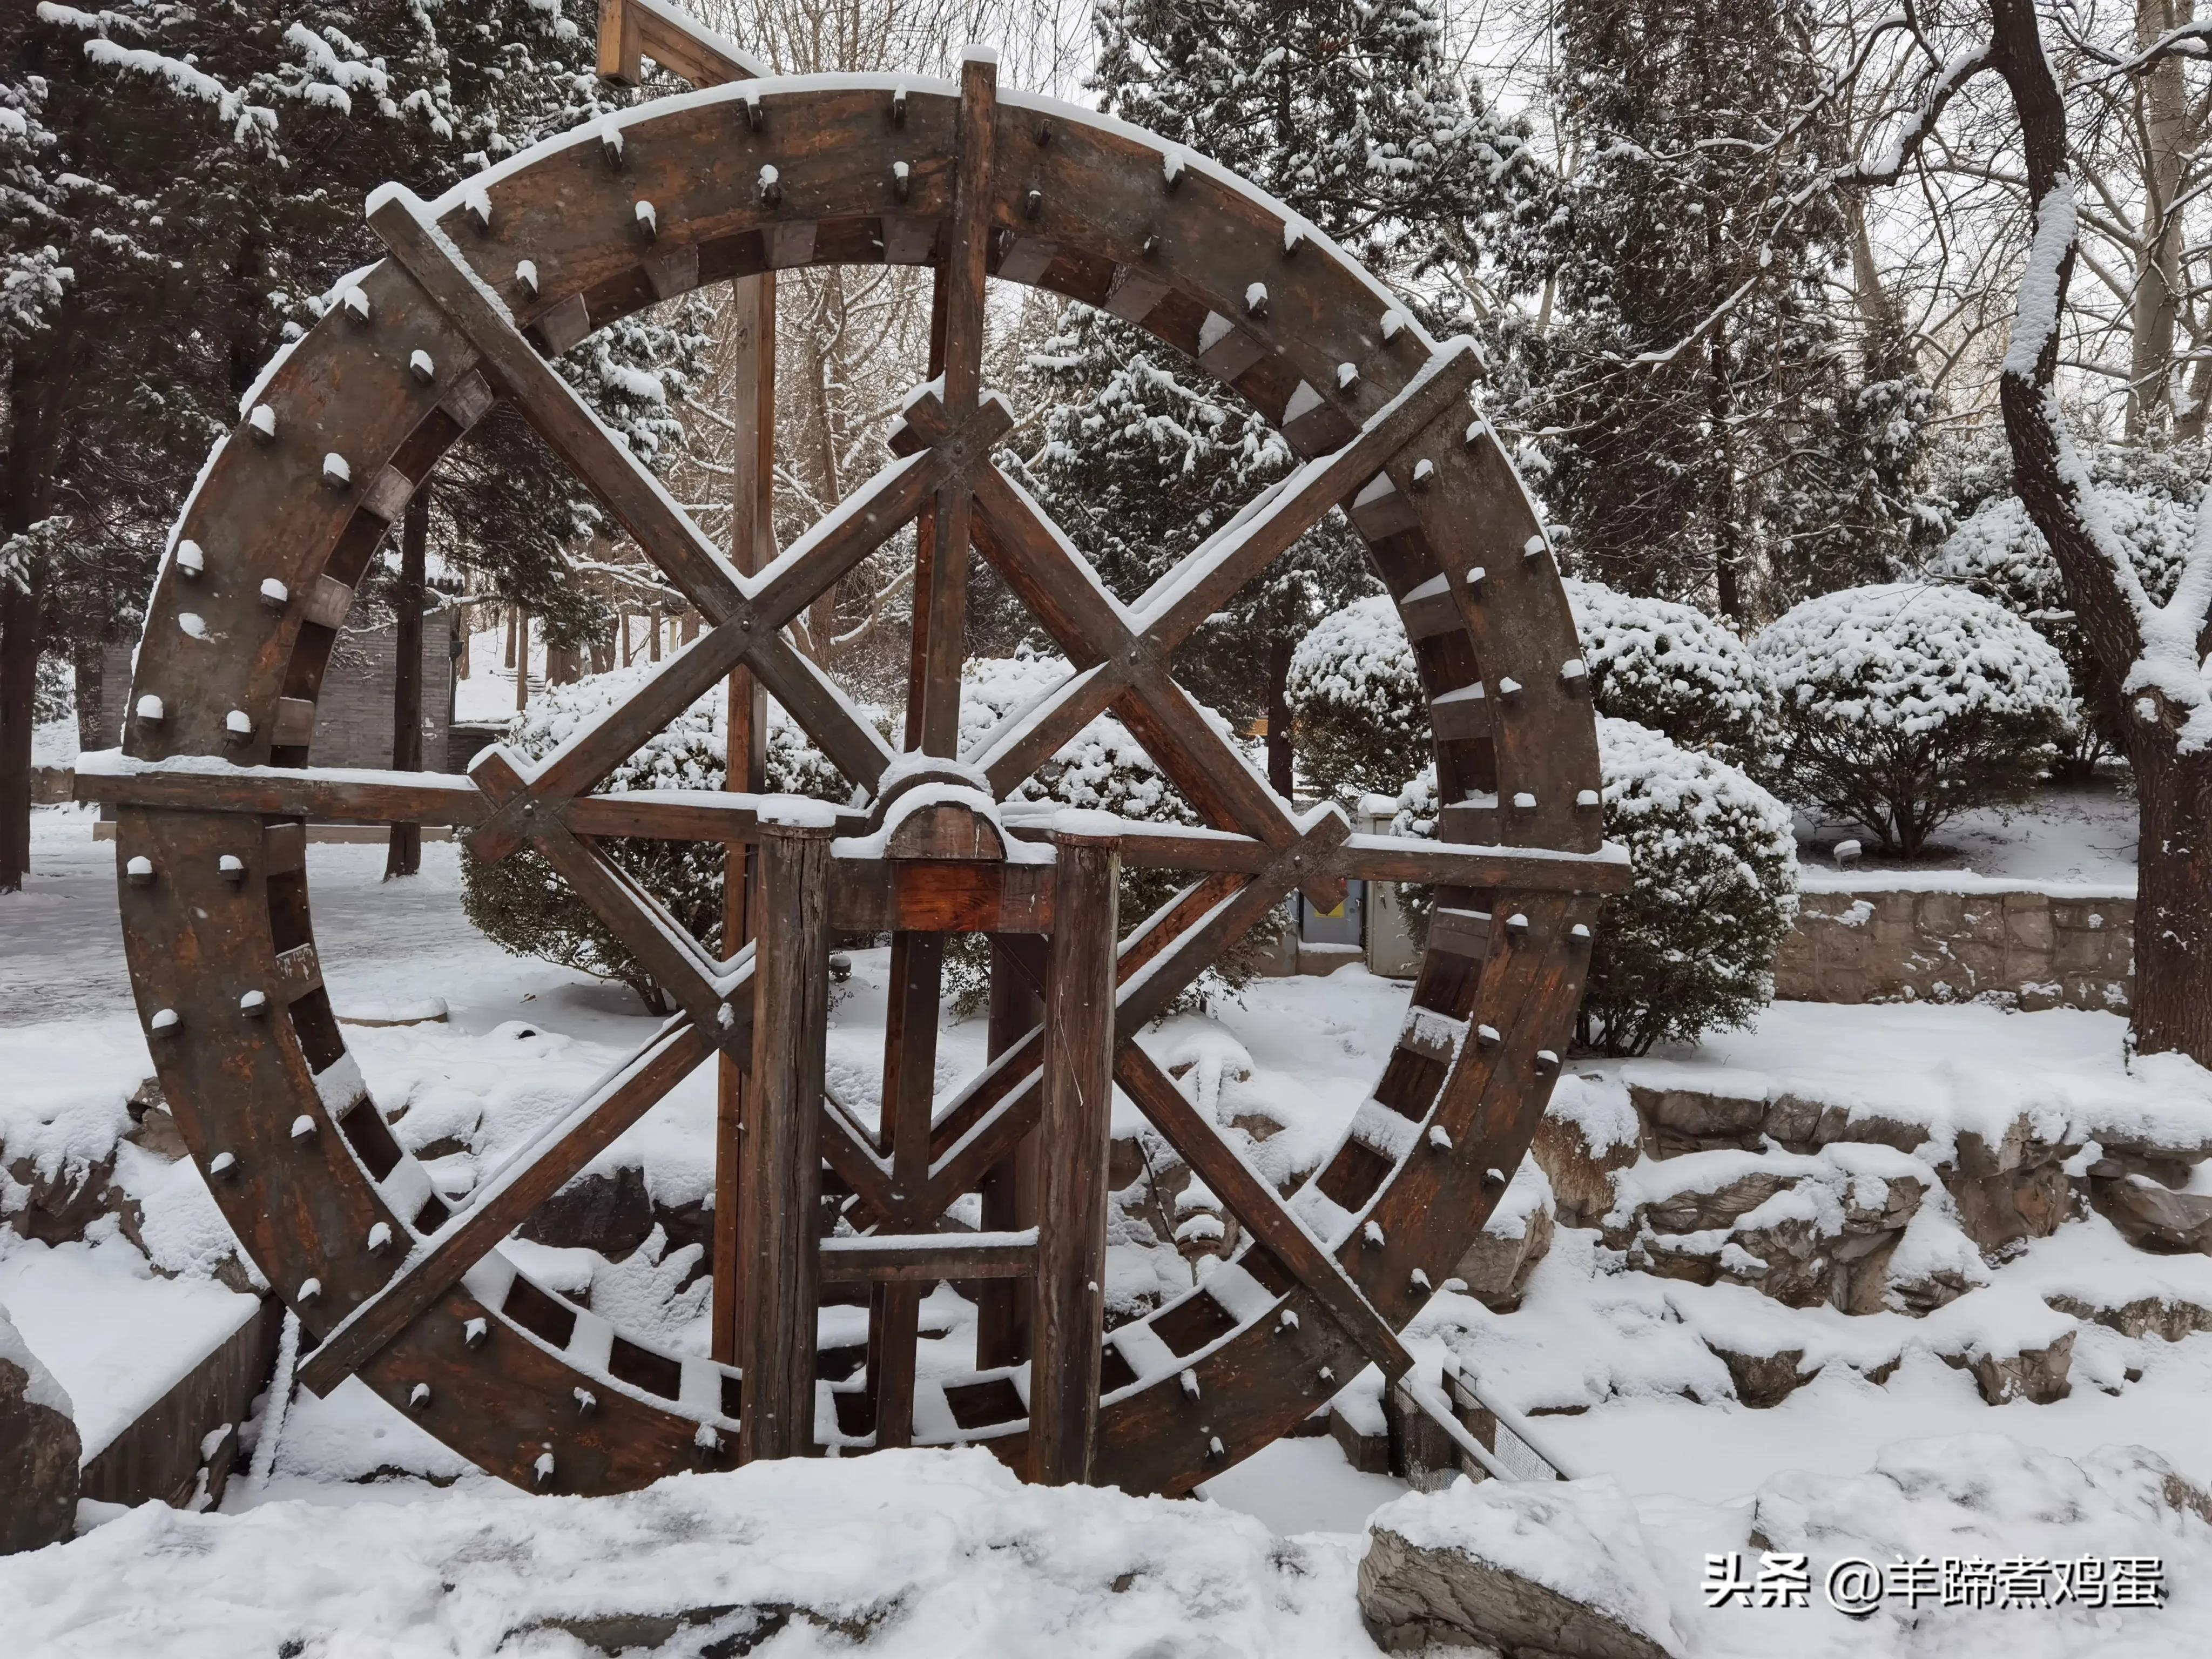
(215, 784)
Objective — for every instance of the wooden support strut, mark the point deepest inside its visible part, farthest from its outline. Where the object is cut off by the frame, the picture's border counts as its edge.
(780, 1207)
(1068, 1323)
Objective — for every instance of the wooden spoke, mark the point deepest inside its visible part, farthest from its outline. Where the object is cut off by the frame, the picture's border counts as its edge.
(940, 587)
(348, 797)
(1252, 1202)
(927, 1258)
(1179, 603)
(748, 615)
(511, 1197)
(1141, 996)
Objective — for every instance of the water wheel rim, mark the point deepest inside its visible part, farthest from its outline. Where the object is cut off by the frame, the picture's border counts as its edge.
(1118, 218)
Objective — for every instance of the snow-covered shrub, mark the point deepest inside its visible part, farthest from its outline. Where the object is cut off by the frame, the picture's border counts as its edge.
(1362, 723)
(521, 905)
(1690, 947)
(1997, 551)
(1907, 703)
(1674, 669)
(1104, 769)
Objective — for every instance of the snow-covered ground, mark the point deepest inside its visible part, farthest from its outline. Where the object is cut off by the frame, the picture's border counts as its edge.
(2085, 836)
(1627, 1356)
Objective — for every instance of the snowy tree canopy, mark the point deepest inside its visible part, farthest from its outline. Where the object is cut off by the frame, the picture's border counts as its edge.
(1673, 667)
(1690, 948)
(1907, 703)
(1363, 720)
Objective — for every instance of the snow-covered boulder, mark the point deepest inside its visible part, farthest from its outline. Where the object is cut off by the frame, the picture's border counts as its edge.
(1904, 704)
(1589, 1134)
(1560, 1570)
(1362, 718)
(1806, 1231)
(1674, 669)
(1495, 1267)
(39, 1450)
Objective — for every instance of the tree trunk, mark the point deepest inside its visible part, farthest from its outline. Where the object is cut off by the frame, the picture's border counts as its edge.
(1280, 773)
(519, 621)
(403, 855)
(2173, 907)
(513, 611)
(2165, 139)
(19, 685)
(89, 660)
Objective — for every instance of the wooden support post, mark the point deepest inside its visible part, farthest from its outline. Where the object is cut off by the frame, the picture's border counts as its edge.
(1009, 1193)
(1070, 1320)
(752, 545)
(404, 852)
(917, 969)
(779, 1210)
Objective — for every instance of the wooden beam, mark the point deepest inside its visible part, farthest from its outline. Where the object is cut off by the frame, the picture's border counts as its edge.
(349, 797)
(1068, 1322)
(1255, 1204)
(1009, 1193)
(927, 1258)
(631, 29)
(750, 316)
(507, 1200)
(780, 1212)
(941, 580)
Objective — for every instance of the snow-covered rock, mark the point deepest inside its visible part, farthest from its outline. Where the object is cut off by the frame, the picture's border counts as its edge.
(39, 1450)
(1557, 1569)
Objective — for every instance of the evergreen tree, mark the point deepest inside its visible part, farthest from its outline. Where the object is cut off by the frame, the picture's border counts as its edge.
(178, 188)
(1701, 426)
(1349, 114)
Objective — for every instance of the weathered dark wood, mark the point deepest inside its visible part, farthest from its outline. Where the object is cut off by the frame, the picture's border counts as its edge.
(917, 966)
(533, 1175)
(751, 317)
(1010, 1191)
(780, 1210)
(631, 29)
(941, 897)
(1068, 1322)
(940, 624)
(924, 1258)
(343, 797)
(1253, 1203)
(1171, 259)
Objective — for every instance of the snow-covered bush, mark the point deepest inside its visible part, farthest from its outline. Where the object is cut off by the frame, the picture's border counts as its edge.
(1362, 723)
(521, 905)
(1907, 703)
(1690, 947)
(1674, 669)
(1103, 768)
(1997, 551)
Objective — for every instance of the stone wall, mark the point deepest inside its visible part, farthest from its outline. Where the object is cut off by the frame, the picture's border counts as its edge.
(2068, 947)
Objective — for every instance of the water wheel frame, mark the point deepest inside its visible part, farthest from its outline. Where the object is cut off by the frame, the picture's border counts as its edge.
(214, 785)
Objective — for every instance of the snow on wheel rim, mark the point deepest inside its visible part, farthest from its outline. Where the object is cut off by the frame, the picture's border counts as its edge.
(252, 1046)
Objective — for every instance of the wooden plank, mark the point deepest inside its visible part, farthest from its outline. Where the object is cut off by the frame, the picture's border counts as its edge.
(298, 971)
(927, 1258)
(1253, 1202)
(940, 897)
(910, 1094)
(679, 815)
(779, 1215)
(349, 797)
(940, 627)
(509, 1198)
(1068, 1322)
(1009, 1192)
(326, 603)
(749, 315)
